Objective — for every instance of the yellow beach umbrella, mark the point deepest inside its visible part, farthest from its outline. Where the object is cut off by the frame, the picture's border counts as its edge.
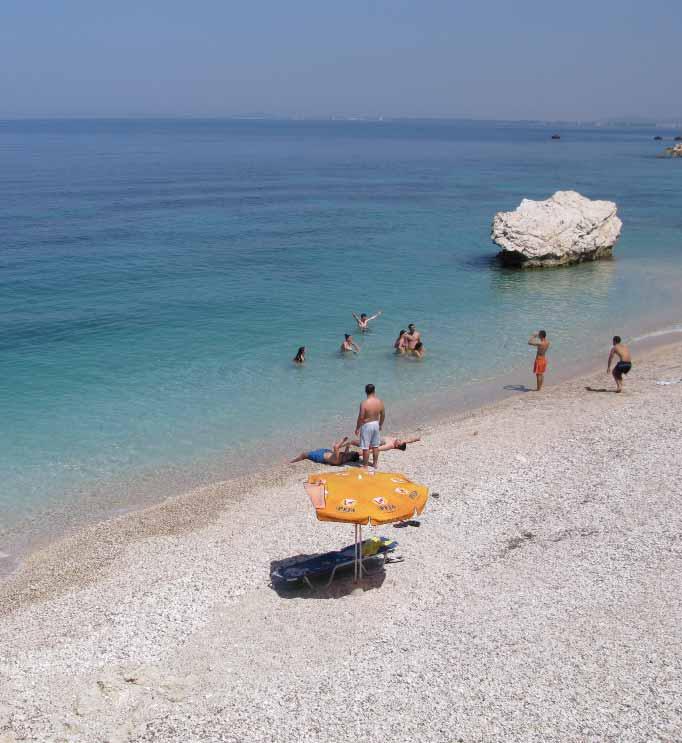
(362, 496)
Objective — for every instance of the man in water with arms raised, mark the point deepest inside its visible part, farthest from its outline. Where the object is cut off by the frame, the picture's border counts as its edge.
(370, 421)
(624, 361)
(539, 340)
(363, 321)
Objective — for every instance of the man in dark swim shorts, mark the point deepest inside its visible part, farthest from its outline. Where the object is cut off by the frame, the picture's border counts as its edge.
(624, 364)
(337, 456)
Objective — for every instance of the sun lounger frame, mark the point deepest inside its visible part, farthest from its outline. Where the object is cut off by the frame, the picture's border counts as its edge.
(356, 559)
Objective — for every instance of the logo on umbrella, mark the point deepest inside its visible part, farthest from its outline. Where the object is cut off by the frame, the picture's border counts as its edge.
(383, 504)
(346, 505)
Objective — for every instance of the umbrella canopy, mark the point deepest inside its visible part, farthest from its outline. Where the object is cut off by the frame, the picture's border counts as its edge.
(360, 496)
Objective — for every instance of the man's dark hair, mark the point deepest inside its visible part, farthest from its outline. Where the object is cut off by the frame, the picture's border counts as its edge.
(542, 334)
(369, 389)
(402, 446)
(363, 314)
(411, 325)
(616, 339)
(354, 456)
(418, 346)
(347, 336)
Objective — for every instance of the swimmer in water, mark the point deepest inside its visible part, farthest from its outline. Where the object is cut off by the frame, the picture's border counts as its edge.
(300, 356)
(363, 321)
(400, 344)
(412, 337)
(349, 345)
(419, 350)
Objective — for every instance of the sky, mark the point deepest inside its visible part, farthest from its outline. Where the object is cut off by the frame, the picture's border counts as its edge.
(494, 59)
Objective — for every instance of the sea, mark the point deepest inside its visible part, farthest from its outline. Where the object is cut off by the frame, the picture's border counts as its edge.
(158, 276)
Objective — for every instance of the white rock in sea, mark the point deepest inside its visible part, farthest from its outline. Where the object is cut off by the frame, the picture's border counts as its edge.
(566, 228)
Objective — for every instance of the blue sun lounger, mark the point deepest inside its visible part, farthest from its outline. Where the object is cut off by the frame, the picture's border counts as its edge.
(330, 562)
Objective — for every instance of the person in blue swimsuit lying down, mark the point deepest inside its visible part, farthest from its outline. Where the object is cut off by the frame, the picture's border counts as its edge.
(337, 456)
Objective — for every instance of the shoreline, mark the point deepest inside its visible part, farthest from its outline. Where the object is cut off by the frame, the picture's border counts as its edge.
(102, 501)
(539, 600)
(85, 551)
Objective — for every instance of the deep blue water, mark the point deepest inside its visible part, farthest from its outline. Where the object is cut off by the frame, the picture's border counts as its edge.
(156, 278)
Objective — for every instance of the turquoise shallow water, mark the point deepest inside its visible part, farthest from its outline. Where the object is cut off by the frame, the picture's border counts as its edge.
(156, 278)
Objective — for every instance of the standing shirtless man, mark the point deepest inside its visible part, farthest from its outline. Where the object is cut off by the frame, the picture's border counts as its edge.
(624, 361)
(539, 340)
(412, 337)
(370, 421)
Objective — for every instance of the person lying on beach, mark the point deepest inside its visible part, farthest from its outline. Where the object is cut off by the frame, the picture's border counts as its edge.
(418, 350)
(363, 321)
(391, 442)
(400, 344)
(539, 340)
(349, 345)
(300, 356)
(412, 337)
(624, 364)
(369, 424)
(337, 456)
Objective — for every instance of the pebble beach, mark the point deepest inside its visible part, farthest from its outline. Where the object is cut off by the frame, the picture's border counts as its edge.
(538, 600)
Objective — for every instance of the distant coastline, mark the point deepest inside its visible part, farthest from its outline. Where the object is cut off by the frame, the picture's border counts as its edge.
(672, 123)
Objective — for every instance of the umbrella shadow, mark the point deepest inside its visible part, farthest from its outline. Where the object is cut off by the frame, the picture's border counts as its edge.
(598, 389)
(342, 585)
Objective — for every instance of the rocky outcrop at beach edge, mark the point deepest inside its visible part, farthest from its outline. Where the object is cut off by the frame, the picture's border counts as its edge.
(566, 228)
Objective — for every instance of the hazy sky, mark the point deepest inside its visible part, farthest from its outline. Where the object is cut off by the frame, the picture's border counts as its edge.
(512, 59)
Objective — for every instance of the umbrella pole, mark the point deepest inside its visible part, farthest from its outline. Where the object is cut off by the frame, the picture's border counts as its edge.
(358, 553)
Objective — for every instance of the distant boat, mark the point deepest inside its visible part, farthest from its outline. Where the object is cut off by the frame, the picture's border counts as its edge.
(678, 139)
(556, 136)
(658, 138)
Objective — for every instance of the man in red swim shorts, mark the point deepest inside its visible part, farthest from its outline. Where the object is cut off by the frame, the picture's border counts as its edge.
(539, 340)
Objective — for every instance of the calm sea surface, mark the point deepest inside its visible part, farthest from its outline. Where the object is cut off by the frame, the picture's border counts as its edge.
(157, 277)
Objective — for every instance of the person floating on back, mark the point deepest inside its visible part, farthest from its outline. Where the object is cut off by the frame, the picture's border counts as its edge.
(349, 345)
(300, 356)
(624, 364)
(369, 424)
(539, 340)
(337, 456)
(363, 321)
